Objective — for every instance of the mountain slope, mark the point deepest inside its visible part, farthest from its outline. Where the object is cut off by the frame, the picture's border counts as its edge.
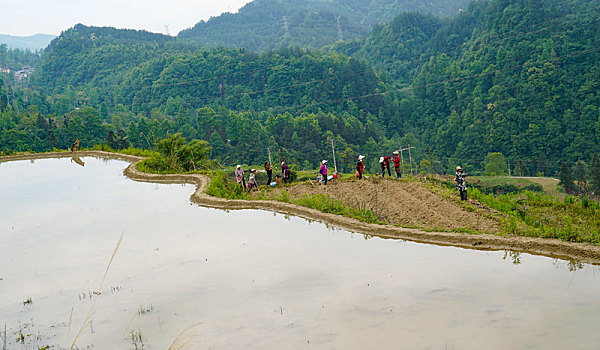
(264, 25)
(33, 42)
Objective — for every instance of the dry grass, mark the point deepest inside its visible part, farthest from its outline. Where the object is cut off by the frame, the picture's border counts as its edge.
(90, 312)
(185, 338)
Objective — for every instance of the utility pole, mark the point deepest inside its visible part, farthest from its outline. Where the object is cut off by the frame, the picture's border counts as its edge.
(286, 27)
(402, 158)
(339, 29)
(334, 162)
(409, 157)
(269, 150)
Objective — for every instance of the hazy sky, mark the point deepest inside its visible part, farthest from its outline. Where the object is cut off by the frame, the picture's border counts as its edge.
(27, 17)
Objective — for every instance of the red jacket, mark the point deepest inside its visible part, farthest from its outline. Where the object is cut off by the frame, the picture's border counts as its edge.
(397, 161)
(386, 161)
(360, 166)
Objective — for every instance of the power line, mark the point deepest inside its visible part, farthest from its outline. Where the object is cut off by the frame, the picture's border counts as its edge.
(458, 79)
(518, 32)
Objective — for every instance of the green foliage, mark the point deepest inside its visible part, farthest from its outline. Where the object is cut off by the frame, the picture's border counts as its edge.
(327, 204)
(220, 186)
(503, 185)
(495, 164)
(595, 174)
(174, 155)
(261, 25)
(518, 77)
(541, 215)
(566, 180)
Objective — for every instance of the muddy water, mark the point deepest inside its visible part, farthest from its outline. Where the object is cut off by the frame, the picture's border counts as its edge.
(255, 279)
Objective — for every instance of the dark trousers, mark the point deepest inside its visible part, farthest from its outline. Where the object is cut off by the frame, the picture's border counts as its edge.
(243, 183)
(325, 179)
(287, 180)
(270, 176)
(463, 195)
(398, 173)
(383, 167)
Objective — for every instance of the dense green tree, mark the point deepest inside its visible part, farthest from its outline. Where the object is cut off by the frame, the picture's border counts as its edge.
(495, 164)
(580, 174)
(595, 174)
(566, 179)
(542, 165)
(521, 169)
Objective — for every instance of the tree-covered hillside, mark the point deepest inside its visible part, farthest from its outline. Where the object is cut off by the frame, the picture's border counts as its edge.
(264, 25)
(396, 48)
(516, 77)
(523, 82)
(92, 56)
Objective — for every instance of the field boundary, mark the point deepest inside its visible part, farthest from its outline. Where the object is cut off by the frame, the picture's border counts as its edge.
(553, 248)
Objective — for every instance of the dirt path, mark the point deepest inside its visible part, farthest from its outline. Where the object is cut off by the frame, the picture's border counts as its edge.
(548, 247)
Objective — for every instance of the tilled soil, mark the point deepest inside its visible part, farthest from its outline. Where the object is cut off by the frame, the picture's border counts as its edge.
(406, 203)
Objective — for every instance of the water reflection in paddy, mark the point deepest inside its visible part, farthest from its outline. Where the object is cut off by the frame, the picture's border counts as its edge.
(258, 280)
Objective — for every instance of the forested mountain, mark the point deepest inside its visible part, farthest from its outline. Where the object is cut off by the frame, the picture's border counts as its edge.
(31, 43)
(520, 77)
(264, 25)
(396, 49)
(149, 71)
(93, 56)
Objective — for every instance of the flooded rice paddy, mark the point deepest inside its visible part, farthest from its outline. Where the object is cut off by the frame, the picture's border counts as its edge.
(255, 279)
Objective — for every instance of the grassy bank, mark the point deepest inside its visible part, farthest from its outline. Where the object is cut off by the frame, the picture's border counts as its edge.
(525, 213)
(221, 186)
(502, 184)
(535, 214)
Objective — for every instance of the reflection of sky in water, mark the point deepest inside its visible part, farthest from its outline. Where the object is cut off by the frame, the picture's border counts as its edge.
(259, 280)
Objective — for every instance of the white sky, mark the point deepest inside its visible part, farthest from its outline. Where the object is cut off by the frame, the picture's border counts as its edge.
(27, 17)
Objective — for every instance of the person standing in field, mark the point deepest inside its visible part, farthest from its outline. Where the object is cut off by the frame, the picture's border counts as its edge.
(252, 180)
(269, 171)
(239, 176)
(397, 164)
(360, 167)
(461, 183)
(385, 164)
(323, 171)
(286, 173)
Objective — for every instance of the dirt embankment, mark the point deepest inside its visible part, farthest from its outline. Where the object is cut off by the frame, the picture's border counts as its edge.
(406, 203)
(549, 247)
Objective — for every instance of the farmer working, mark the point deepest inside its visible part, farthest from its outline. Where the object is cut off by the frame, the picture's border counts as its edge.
(397, 164)
(385, 164)
(323, 171)
(461, 184)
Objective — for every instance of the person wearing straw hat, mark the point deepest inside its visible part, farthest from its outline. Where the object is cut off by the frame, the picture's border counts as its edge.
(239, 176)
(385, 164)
(323, 171)
(360, 167)
(397, 164)
(252, 180)
(461, 183)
